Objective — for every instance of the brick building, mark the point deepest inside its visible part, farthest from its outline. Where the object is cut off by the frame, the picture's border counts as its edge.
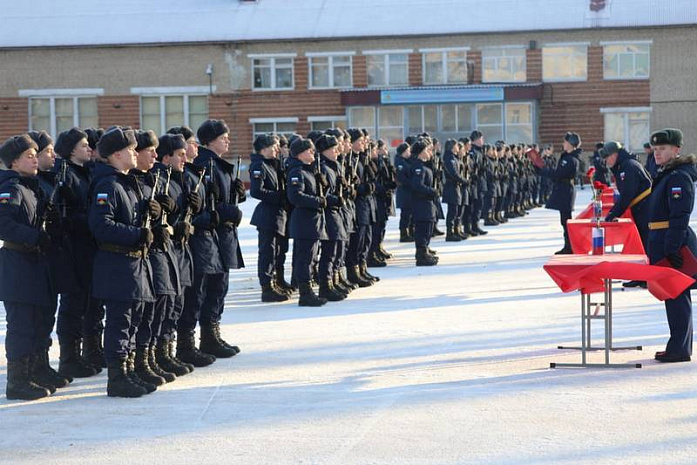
(612, 69)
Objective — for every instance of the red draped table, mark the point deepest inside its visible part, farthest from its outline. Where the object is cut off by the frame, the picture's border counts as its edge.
(620, 232)
(593, 274)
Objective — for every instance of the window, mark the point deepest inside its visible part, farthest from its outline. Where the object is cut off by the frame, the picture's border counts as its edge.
(630, 126)
(57, 114)
(445, 66)
(330, 71)
(519, 123)
(322, 123)
(362, 117)
(160, 112)
(272, 72)
(285, 126)
(391, 125)
(490, 121)
(456, 119)
(387, 69)
(626, 61)
(503, 64)
(565, 63)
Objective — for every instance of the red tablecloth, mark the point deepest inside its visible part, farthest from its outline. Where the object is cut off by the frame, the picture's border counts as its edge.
(620, 232)
(587, 272)
(587, 213)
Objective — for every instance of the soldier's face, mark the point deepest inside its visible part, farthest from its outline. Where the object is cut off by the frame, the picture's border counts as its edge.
(46, 158)
(220, 144)
(177, 160)
(27, 164)
(331, 153)
(664, 153)
(146, 158)
(82, 153)
(307, 157)
(191, 149)
(567, 147)
(357, 146)
(611, 160)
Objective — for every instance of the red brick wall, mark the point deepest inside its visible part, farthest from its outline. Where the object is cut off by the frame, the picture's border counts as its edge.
(533, 65)
(121, 110)
(14, 117)
(360, 73)
(476, 57)
(415, 69)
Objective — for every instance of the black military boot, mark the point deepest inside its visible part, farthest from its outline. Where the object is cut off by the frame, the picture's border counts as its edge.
(403, 235)
(144, 370)
(338, 286)
(436, 232)
(363, 270)
(327, 291)
(212, 345)
(93, 351)
(489, 221)
(216, 331)
(345, 282)
(42, 369)
(423, 258)
(131, 372)
(19, 384)
(270, 294)
(308, 298)
(460, 231)
(375, 262)
(384, 253)
(71, 363)
(39, 380)
(478, 230)
(452, 235)
(500, 218)
(281, 284)
(167, 375)
(354, 275)
(188, 353)
(171, 349)
(119, 384)
(165, 362)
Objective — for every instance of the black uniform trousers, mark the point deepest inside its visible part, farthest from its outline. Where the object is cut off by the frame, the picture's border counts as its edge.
(328, 258)
(423, 230)
(268, 252)
(304, 253)
(28, 329)
(122, 322)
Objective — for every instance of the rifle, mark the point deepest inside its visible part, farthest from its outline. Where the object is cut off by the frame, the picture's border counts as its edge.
(51, 202)
(236, 172)
(187, 212)
(146, 214)
(164, 221)
(211, 184)
(318, 174)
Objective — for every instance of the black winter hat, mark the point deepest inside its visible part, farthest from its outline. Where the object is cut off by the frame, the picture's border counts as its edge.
(67, 140)
(609, 148)
(647, 145)
(336, 132)
(299, 145)
(115, 139)
(410, 140)
(210, 130)
(573, 138)
(667, 136)
(355, 134)
(168, 143)
(145, 140)
(465, 140)
(401, 148)
(93, 135)
(12, 148)
(263, 141)
(282, 140)
(41, 138)
(314, 135)
(476, 134)
(326, 142)
(183, 130)
(599, 145)
(419, 146)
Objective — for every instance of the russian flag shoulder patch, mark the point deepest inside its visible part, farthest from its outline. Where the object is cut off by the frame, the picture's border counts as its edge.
(676, 192)
(102, 199)
(5, 197)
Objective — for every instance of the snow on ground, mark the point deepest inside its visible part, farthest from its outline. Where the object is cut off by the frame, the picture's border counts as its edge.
(447, 364)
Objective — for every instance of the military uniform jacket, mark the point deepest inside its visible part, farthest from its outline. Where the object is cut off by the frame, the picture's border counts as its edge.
(336, 227)
(267, 186)
(423, 192)
(672, 199)
(307, 219)
(563, 193)
(348, 211)
(60, 257)
(115, 217)
(403, 167)
(366, 207)
(454, 181)
(385, 184)
(182, 251)
(632, 181)
(480, 167)
(226, 206)
(651, 165)
(25, 275)
(204, 242)
(492, 183)
(602, 173)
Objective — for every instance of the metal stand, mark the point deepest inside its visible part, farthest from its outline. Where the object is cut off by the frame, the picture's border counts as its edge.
(586, 346)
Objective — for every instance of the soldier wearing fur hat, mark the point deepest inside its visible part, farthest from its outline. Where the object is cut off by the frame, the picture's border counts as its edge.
(73, 148)
(480, 188)
(25, 287)
(423, 193)
(118, 218)
(226, 191)
(307, 222)
(670, 236)
(385, 184)
(452, 189)
(270, 216)
(189, 137)
(563, 178)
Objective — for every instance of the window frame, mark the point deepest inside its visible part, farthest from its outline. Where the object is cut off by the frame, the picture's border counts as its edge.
(625, 111)
(272, 57)
(648, 43)
(274, 121)
(52, 95)
(444, 64)
(585, 45)
(328, 119)
(330, 62)
(505, 48)
(386, 63)
(163, 116)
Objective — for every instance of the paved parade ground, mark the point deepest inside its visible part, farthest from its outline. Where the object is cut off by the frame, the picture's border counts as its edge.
(446, 364)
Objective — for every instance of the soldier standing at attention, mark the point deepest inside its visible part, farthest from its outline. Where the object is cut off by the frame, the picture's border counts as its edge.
(670, 206)
(423, 193)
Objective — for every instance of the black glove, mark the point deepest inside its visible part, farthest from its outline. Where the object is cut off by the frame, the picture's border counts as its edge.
(322, 202)
(161, 236)
(182, 231)
(335, 201)
(195, 202)
(66, 195)
(214, 220)
(154, 209)
(44, 242)
(214, 190)
(239, 187)
(675, 259)
(322, 179)
(146, 238)
(168, 204)
(609, 218)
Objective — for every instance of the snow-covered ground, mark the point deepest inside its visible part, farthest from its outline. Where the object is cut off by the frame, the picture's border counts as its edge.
(447, 364)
